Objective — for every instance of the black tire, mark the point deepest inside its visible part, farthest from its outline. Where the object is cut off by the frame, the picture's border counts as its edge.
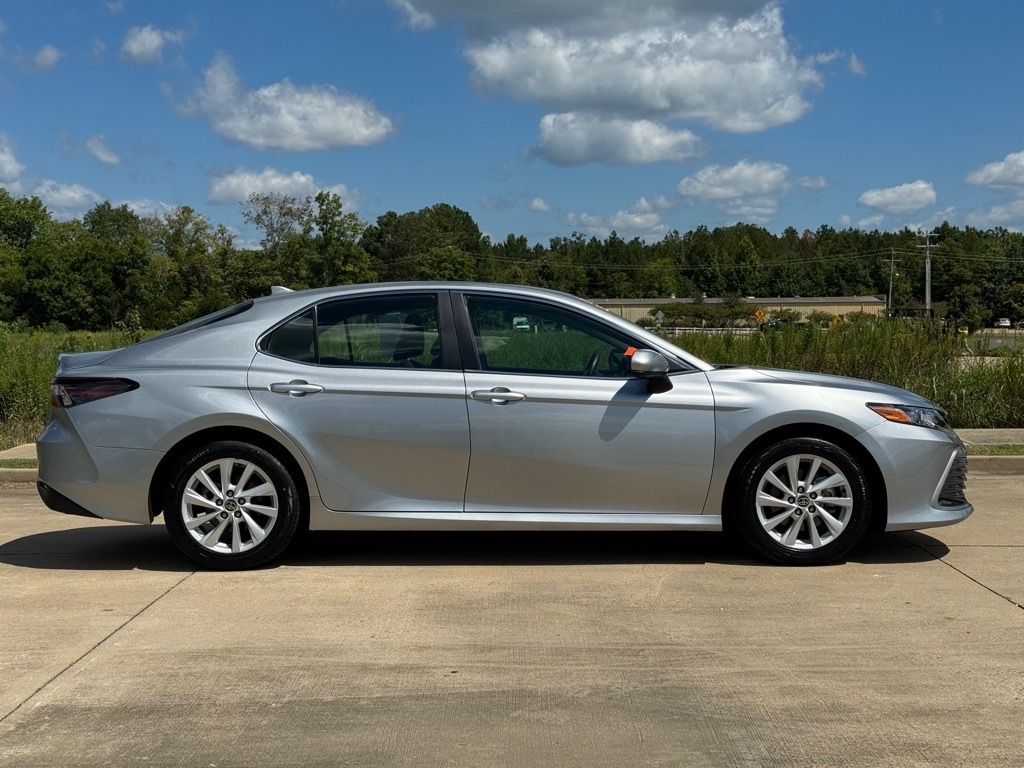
(232, 506)
(802, 501)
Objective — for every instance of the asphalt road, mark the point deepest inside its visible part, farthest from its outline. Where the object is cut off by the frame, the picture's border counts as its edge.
(511, 650)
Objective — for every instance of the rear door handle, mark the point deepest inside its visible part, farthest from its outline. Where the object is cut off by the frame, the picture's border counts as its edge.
(296, 388)
(498, 396)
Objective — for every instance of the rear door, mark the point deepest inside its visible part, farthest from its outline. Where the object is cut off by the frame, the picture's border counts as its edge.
(558, 425)
(371, 390)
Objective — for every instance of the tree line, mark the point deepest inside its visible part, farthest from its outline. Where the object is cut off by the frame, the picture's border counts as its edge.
(112, 267)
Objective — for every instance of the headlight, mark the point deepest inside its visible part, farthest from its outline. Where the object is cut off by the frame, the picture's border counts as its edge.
(920, 416)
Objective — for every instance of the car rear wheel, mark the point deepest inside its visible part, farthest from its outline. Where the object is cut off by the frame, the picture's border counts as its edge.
(803, 501)
(232, 506)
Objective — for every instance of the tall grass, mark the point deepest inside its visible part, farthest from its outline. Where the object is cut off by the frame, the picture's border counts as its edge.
(28, 360)
(978, 392)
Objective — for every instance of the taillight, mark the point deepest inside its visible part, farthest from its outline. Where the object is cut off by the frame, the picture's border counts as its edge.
(66, 391)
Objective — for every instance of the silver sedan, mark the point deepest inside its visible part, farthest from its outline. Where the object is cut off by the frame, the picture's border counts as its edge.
(431, 405)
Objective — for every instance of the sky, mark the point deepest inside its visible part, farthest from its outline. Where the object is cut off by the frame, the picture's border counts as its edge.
(540, 118)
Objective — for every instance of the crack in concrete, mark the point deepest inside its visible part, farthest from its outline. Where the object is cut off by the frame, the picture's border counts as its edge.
(97, 645)
(968, 576)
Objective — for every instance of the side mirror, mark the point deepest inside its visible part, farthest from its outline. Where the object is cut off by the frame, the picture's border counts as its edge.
(652, 366)
(647, 362)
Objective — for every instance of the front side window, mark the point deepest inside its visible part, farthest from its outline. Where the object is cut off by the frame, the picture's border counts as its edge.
(523, 336)
(386, 331)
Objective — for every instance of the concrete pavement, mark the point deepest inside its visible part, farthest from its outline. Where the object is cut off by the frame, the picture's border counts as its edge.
(511, 650)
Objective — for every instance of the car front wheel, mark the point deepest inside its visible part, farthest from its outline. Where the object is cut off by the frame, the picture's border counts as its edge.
(803, 501)
(232, 506)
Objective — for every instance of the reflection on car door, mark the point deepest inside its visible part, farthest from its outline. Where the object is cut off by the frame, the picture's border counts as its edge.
(384, 429)
(551, 440)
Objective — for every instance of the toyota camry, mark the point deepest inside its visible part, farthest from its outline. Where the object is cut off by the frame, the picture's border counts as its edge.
(429, 405)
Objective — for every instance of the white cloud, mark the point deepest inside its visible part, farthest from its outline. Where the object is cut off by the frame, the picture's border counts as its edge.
(10, 168)
(145, 45)
(906, 198)
(66, 200)
(812, 182)
(744, 179)
(1008, 216)
(284, 116)
(234, 187)
(642, 219)
(414, 18)
(631, 221)
(576, 139)
(97, 147)
(871, 222)
(539, 204)
(47, 57)
(1008, 172)
(737, 75)
(856, 66)
(750, 191)
(146, 207)
(934, 219)
(486, 17)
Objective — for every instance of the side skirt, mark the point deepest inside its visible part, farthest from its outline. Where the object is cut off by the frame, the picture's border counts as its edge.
(322, 519)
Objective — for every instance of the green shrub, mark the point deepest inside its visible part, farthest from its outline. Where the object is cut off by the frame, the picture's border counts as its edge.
(28, 360)
(978, 392)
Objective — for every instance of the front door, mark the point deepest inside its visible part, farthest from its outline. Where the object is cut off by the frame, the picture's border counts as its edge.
(559, 425)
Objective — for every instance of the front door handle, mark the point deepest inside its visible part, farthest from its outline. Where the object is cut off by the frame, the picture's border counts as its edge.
(296, 388)
(498, 396)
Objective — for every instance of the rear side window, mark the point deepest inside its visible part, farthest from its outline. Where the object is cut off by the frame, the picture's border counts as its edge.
(381, 331)
(295, 340)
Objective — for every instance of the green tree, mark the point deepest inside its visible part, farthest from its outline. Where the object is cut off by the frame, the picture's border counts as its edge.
(21, 219)
(445, 263)
(1013, 303)
(184, 277)
(120, 232)
(748, 272)
(396, 242)
(70, 278)
(339, 258)
(13, 285)
(287, 223)
(964, 307)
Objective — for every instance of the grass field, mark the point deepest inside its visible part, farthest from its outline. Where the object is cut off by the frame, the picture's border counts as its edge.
(978, 392)
(28, 360)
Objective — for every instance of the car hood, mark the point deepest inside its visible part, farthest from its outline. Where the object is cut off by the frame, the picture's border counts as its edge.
(873, 389)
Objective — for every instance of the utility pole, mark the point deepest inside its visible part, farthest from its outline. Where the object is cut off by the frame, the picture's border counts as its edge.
(927, 270)
(892, 270)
